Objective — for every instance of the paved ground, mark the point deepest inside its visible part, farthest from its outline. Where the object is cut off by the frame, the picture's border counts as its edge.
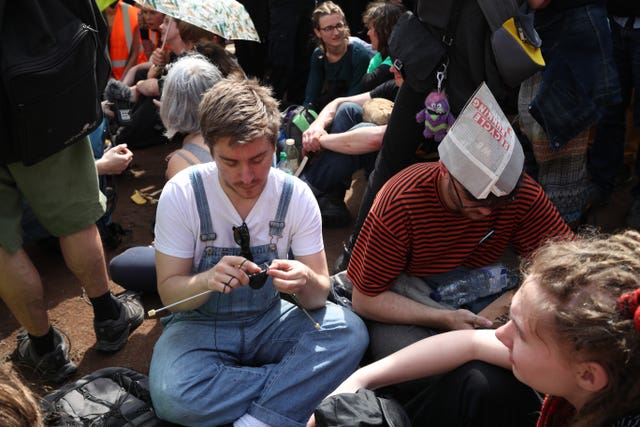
(71, 313)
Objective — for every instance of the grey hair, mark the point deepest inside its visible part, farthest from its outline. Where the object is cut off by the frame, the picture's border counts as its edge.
(186, 82)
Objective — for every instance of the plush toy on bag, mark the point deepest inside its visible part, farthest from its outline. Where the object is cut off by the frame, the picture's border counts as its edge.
(436, 116)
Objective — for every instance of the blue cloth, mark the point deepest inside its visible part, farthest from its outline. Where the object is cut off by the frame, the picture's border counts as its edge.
(580, 80)
(607, 152)
(331, 170)
(250, 351)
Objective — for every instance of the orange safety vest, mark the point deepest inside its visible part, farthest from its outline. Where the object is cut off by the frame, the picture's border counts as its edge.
(123, 31)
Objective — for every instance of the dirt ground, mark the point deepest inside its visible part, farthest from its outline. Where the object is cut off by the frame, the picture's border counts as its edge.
(71, 313)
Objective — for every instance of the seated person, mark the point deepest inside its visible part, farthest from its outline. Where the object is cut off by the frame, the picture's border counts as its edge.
(380, 17)
(234, 353)
(145, 127)
(432, 221)
(573, 334)
(337, 64)
(343, 144)
(187, 81)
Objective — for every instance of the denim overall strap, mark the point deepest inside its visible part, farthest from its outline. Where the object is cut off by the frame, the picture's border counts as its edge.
(277, 225)
(206, 229)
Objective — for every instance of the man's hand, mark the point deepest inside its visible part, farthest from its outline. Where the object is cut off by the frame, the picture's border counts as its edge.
(289, 276)
(114, 161)
(465, 319)
(229, 273)
(311, 138)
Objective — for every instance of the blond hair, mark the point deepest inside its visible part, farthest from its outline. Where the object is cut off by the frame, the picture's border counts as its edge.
(18, 406)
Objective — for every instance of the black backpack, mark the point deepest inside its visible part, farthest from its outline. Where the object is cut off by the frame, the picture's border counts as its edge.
(294, 121)
(109, 397)
(54, 66)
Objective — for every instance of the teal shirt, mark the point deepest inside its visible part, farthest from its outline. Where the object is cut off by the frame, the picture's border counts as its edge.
(343, 76)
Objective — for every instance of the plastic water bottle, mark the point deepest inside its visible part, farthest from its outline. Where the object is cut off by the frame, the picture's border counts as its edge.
(293, 158)
(468, 286)
(282, 163)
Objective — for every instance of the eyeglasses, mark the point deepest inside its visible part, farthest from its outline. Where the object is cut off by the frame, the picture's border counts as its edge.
(242, 238)
(490, 202)
(329, 28)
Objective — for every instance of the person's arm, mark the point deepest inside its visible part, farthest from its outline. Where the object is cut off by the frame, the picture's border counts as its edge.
(376, 77)
(134, 52)
(318, 128)
(175, 164)
(306, 276)
(149, 88)
(361, 140)
(435, 355)
(129, 77)
(390, 307)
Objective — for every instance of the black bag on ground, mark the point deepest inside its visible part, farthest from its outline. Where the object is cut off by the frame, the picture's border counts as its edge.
(109, 397)
(360, 409)
(54, 67)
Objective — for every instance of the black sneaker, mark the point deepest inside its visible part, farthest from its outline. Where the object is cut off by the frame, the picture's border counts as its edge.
(112, 335)
(52, 367)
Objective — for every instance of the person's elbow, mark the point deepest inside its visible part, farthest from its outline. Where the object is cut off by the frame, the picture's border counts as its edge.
(362, 304)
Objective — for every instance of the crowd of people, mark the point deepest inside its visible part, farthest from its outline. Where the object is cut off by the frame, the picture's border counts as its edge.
(256, 336)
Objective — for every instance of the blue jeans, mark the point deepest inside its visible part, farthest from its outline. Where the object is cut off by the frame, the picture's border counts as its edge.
(331, 170)
(607, 153)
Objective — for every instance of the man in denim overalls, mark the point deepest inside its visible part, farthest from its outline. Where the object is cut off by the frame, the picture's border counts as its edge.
(241, 354)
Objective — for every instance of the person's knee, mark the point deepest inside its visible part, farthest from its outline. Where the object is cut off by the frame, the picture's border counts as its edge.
(352, 330)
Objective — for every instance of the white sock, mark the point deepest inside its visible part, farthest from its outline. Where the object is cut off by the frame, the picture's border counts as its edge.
(249, 421)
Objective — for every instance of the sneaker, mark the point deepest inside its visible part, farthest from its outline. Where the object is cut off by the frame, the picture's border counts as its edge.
(112, 335)
(633, 217)
(52, 367)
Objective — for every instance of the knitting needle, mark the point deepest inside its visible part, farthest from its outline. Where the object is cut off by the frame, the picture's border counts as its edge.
(294, 297)
(152, 313)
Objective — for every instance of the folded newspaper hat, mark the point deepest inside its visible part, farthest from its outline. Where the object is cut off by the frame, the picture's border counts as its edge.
(481, 149)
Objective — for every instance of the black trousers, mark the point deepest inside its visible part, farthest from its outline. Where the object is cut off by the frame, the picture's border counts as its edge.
(476, 394)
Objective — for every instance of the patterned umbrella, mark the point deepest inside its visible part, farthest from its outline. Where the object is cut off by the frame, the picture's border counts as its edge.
(226, 18)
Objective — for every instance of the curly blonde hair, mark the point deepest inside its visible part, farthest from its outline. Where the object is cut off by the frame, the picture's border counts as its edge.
(583, 282)
(18, 406)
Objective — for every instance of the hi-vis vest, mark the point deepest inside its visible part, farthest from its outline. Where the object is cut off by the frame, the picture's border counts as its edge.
(123, 31)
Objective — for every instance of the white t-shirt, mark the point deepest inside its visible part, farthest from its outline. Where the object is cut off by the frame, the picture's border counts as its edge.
(177, 230)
